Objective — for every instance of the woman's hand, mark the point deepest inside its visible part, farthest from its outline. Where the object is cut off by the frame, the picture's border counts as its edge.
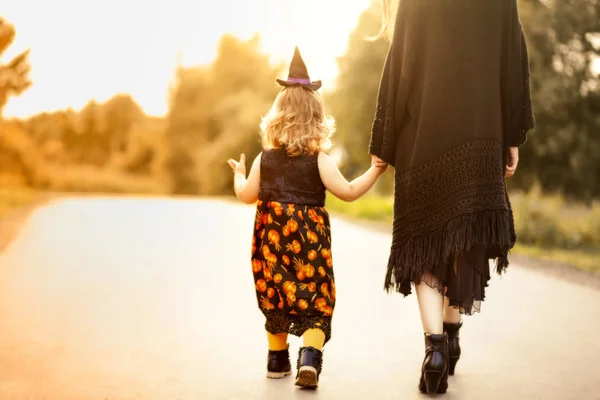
(512, 162)
(238, 167)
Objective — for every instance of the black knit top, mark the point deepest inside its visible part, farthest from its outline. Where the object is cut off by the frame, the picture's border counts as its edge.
(286, 179)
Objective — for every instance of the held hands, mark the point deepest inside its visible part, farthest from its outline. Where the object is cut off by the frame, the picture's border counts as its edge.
(378, 163)
(512, 162)
(238, 167)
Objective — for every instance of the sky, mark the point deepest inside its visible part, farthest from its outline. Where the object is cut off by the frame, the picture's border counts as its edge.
(84, 49)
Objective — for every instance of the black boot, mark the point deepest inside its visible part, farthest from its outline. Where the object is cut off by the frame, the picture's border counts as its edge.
(453, 345)
(310, 361)
(278, 365)
(434, 373)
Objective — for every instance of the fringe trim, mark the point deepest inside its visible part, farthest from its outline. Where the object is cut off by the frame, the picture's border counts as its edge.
(493, 229)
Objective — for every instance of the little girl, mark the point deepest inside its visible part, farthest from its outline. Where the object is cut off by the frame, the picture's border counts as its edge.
(291, 246)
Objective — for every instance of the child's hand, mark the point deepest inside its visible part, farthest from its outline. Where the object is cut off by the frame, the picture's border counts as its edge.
(238, 167)
(379, 164)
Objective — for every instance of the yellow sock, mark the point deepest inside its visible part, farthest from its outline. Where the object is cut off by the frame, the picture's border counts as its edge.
(277, 342)
(314, 338)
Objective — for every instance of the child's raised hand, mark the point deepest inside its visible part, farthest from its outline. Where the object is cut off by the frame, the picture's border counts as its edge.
(238, 167)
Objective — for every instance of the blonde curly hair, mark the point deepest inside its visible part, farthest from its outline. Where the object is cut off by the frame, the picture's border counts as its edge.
(297, 123)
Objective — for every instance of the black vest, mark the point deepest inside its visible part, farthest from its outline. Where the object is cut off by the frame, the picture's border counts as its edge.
(294, 180)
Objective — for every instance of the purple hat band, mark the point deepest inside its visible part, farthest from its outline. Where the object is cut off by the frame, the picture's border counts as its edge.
(300, 81)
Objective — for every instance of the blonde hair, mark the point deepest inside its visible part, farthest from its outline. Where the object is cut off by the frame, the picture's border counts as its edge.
(389, 10)
(297, 123)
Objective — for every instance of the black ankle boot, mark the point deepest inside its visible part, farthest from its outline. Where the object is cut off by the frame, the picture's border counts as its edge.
(278, 364)
(310, 361)
(453, 345)
(434, 373)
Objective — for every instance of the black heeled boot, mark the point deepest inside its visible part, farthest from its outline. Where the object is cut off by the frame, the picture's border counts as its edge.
(434, 373)
(310, 362)
(453, 345)
(278, 364)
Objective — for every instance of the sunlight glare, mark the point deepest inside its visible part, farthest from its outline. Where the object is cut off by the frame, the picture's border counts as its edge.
(89, 51)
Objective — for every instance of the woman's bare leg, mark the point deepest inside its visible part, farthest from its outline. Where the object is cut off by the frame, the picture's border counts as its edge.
(451, 314)
(431, 306)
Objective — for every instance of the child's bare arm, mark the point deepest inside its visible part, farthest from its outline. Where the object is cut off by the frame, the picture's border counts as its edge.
(246, 189)
(335, 182)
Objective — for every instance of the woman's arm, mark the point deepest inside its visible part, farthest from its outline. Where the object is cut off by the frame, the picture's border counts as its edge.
(246, 189)
(521, 106)
(335, 182)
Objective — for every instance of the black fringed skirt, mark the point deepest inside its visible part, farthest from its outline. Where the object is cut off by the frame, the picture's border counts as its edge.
(450, 220)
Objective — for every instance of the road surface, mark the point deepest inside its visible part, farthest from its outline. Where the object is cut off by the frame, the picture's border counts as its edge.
(123, 299)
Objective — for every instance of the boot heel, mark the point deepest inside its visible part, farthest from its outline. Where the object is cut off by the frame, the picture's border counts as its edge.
(432, 381)
(434, 371)
(310, 361)
(307, 377)
(452, 365)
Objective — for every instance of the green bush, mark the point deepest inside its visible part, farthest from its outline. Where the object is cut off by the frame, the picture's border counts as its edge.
(550, 221)
(376, 208)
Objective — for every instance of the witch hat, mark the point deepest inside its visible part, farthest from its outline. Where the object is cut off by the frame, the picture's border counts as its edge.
(298, 75)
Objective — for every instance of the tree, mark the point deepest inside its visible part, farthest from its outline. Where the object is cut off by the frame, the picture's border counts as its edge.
(96, 135)
(214, 115)
(14, 76)
(563, 154)
(17, 155)
(187, 117)
(112, 146)
(52, 133)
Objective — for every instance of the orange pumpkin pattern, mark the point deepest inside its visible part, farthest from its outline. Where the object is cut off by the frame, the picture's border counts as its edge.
(292, 264)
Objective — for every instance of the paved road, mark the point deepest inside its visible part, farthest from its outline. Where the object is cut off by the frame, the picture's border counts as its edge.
(114, 299)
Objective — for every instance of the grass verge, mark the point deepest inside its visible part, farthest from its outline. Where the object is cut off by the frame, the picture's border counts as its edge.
(14, 198)
(585, 259)
(373, 208)
(548, 227)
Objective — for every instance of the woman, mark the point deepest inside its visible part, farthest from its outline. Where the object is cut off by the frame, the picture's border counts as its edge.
(453, 108)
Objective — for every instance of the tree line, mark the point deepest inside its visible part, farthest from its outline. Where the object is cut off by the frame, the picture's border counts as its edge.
(215, 110)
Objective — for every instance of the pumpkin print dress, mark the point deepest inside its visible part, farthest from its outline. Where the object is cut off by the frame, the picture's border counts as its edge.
(291, 246)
